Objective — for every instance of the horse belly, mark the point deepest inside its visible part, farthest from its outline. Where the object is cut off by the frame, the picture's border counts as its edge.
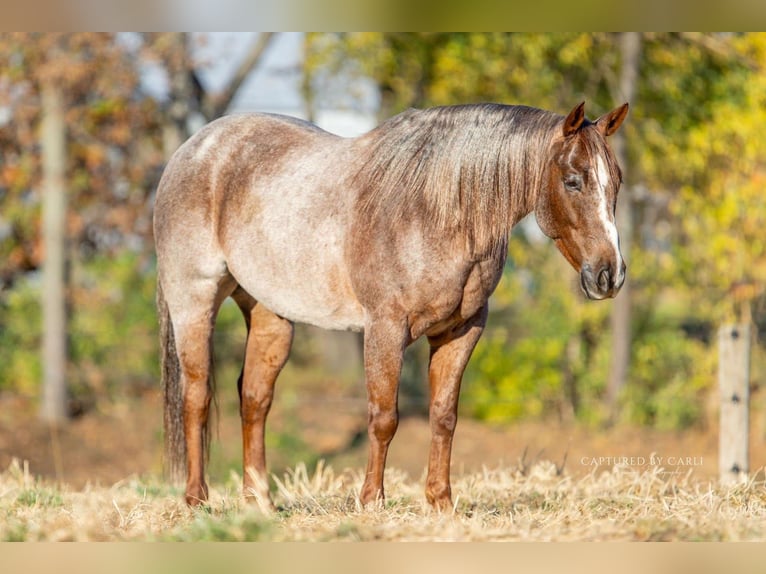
(311, 297)
(295, 267)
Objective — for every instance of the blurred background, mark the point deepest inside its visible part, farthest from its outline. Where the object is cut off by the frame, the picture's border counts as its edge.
(88, 120)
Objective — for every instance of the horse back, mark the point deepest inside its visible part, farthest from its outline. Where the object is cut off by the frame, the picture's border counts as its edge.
(266, 194)
(216, 171)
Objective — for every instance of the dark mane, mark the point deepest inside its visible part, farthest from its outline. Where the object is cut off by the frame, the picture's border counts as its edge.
(470, 169)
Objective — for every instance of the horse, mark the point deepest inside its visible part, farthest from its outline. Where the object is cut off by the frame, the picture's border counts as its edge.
(401, 232)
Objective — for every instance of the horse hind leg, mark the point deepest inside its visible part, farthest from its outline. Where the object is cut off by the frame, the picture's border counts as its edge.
(269, 338)
(193, 309)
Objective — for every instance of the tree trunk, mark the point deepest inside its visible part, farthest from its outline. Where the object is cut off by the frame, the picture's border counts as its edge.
(54, 351)
(630, 49)
(184, 98)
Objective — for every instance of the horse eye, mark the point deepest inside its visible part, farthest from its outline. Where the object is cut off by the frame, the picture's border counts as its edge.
(573, 183)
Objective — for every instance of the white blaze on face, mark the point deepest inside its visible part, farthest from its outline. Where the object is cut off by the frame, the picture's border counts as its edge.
(605, 215)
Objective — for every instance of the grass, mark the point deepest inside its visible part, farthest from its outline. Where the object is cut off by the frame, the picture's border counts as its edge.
(503, 504)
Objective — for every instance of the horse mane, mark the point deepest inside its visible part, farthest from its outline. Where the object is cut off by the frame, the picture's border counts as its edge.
(472, 170)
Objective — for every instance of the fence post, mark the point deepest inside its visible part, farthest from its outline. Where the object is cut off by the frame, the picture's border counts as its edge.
(734, 384)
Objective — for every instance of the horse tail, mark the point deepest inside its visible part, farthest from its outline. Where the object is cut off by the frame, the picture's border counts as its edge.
(175, 445)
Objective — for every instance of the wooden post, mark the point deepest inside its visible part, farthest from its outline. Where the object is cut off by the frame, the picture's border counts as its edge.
(734, 384)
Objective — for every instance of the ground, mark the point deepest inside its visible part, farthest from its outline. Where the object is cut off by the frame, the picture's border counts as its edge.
(115, 442)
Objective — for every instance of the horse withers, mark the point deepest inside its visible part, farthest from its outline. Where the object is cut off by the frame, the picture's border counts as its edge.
(400, 233)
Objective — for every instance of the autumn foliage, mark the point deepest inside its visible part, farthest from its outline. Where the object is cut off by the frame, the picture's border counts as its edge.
(694, 176)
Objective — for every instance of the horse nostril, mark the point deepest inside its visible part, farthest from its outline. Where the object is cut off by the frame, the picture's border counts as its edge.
(621, 275)
(604, 280)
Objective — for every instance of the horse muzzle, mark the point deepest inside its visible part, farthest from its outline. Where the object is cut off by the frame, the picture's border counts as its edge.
(603, 282)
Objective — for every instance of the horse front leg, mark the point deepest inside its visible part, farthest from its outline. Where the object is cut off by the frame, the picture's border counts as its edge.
(384, 344)
(269, 339)
(450, 353)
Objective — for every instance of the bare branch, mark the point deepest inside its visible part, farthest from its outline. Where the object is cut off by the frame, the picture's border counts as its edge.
(215, 105)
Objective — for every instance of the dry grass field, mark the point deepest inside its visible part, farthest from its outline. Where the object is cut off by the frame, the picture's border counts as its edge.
(99, 479)
(504, 504)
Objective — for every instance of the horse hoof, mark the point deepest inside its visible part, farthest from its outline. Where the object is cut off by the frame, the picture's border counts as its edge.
(260, 501)
(371, 500)
(196, 496)
(443, 506)
(194, 501)
(440, 503)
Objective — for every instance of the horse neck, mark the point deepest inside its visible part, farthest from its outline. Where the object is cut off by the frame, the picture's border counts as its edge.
(456, 185)
(514, 197)
(531, 151)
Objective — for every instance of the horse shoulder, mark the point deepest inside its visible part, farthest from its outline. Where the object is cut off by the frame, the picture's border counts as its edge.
(480, 284)
(433, 283)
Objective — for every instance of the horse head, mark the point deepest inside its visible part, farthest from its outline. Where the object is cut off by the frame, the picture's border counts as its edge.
(576, 205)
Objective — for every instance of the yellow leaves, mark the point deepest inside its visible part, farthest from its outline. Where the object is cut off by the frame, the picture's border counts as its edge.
(106, 131)
(578, 51)
(425, 69)
(702, 141)
(751, 46)
(725, 234)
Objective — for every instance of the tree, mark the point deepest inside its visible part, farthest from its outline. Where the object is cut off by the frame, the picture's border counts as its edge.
(58, 82)
(54, 239)
(715, 170)
(110, 160)
(102, 153)
(630, 49)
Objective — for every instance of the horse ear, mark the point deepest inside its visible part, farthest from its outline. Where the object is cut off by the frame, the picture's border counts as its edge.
(609, 123)
(574, 120)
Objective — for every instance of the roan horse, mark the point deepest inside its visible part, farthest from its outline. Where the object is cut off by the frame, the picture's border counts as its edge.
(401, 232)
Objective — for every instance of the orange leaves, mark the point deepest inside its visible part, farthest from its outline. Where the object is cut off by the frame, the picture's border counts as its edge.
(93, 156)
(14, 176)
(109, 127)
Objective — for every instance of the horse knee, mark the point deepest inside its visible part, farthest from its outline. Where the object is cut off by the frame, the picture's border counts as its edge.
(443, 421)
(383, 423)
